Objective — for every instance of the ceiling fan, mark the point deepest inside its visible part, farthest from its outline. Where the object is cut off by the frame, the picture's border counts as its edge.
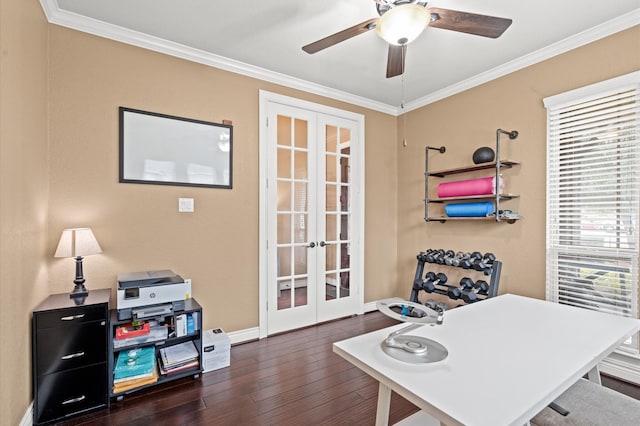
(402, 21)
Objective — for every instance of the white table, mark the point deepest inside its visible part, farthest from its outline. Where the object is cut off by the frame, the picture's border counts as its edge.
(509, 357)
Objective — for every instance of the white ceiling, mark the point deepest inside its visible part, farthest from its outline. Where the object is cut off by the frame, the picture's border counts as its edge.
(263, 39)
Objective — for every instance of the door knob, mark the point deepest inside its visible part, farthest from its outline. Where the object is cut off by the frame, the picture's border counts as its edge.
(324, 243)
(311, 244)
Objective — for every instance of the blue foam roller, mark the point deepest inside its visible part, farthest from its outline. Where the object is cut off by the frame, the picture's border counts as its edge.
(469, 209)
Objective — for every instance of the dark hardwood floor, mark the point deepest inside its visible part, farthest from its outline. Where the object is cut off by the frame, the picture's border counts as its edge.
(288, 379)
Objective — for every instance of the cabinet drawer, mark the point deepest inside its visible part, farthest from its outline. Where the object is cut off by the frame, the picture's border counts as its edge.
(71, 392)
(75, 346)
(68, 316)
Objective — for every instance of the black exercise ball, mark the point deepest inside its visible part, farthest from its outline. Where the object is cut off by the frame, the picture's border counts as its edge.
(483, 155)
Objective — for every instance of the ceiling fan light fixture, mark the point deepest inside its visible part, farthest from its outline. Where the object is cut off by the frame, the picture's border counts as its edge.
(402, 24)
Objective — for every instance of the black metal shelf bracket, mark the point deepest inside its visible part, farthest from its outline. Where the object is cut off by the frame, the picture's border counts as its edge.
(441, 150)
(512, 135)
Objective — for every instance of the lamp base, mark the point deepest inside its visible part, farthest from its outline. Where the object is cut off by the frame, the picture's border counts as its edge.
(79, 291)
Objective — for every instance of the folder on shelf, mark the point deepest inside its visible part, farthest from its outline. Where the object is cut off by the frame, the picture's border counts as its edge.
(178, 354)
(129, 384)
(181, 325)
(178, 368)
(134, 364)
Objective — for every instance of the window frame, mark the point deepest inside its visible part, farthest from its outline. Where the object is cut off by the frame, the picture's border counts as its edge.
(557, 217)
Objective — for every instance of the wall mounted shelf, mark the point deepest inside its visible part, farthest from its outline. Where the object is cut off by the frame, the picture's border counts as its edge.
(496, 197)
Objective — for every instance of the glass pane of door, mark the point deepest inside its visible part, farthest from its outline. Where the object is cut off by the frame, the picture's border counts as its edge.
(292, 215)
(337, 198)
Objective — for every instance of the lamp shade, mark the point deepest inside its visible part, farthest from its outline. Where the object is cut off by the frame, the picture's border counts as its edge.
(402, 24)
(77, 242)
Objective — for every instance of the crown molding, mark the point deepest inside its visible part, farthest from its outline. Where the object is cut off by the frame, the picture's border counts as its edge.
(598, 32)
(57, 16)
(67, 19)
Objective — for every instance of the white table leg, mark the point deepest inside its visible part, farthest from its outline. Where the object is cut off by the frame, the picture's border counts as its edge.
(384, 402)
(594, 375)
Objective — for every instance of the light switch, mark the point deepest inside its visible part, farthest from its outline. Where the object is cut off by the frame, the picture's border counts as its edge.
(185, 205)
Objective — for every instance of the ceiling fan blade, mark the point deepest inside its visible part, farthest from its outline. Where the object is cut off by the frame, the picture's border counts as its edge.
(395, 60)
(470, 23)
(343, 35)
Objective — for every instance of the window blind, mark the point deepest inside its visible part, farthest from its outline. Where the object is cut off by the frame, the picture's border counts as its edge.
(593, 193)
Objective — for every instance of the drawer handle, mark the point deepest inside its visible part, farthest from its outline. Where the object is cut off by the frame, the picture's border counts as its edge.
(76, 355)
(72, 317)
(73, 400)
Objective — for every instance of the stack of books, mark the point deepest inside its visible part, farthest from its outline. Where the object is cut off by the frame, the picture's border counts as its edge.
(134, 368)
(176, 358)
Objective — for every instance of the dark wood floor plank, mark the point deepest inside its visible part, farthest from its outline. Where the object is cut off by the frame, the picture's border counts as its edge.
(288, 379)
(314, 378)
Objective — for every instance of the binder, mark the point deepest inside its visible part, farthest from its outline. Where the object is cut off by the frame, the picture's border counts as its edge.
(181, 325)
(190, 324)
(134, 364)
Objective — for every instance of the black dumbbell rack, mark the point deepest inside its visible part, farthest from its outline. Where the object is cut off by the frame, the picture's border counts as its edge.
(428, 262)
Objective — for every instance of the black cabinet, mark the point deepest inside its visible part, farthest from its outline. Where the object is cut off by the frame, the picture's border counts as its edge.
(69, 354)
(159, 342)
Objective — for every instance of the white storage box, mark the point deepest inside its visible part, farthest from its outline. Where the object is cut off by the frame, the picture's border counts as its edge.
(216, 350)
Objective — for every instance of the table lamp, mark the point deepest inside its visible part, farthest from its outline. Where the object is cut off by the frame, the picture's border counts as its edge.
(78, 242)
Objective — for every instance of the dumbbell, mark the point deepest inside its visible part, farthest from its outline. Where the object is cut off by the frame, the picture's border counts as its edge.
(485, 264)
(427, 284)
(468, 261)
(471, 294)
(442, 306)
(489, 257)
(431, 280)
(442, 260)
(461, 258)
(455, 259)
(422, 256)
(466, 286)
(455, 293)
(436, 306)
(435, 255)
(482, 287)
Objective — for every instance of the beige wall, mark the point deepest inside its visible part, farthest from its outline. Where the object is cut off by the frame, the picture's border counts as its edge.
(469, 120)
(138, 226)
(23, 195)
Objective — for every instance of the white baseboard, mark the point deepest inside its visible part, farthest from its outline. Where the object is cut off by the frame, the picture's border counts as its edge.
(245, 335)
(27, 419)
(369, 307)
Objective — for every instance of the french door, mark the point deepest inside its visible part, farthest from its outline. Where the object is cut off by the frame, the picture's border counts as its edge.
(312, 261)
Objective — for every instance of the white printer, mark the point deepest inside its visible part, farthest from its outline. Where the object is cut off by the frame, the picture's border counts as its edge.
(150, 294)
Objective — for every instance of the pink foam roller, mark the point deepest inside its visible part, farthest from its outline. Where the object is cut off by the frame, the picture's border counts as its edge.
(464, 188)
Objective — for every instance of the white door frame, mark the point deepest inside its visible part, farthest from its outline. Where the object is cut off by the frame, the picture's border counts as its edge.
(357, 278)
